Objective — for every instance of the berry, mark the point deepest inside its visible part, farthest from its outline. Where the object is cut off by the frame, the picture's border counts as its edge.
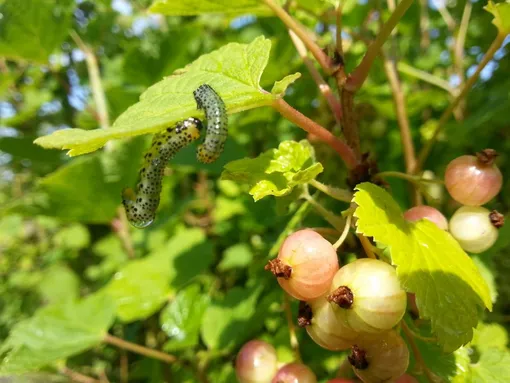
(474, 227)
(294, 373)
(474, 180)
(368, 296)
(427, 212)
(256, 362)
(305, 265)
(324, 326)
(381, 359)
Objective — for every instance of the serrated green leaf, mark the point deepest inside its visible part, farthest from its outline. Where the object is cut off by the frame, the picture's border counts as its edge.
(234, 71)
(226, 319)
(487, 275)
(430, 263)
(281, 86)
(276, 171)
(33, 29)
(181, 318)
(493, 367)
(501, 13)
(197, 7)
(57, 332)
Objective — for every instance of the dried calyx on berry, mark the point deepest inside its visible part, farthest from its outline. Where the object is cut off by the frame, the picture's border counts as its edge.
(475, 228)
(324, 326)
(381, 359)
(474, 180)
(366, 295)
(305, 265)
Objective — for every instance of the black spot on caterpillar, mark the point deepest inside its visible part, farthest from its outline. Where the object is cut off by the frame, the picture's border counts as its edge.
(217, 123)
(141, 206)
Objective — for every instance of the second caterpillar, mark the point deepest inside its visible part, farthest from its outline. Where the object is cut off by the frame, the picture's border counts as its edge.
(217, 123)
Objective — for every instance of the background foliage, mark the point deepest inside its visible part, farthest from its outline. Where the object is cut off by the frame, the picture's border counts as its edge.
(75, 278)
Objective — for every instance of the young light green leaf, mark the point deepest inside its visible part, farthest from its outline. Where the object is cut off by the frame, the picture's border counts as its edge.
(234, 71)
(32, 29)
(197, 7)
(181, 319)
(430, 263)
(490, 335)
(57, 332)
(492, 367)
(68, 286)
(276, 171)
(501, 13)
(281, 86)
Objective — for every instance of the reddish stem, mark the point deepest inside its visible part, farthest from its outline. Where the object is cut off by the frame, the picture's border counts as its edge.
(312, 127)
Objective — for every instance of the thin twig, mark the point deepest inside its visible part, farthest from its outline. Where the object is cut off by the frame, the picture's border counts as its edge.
(124, 367)
(458, 55)
(359, 75)
(338, 13)
(336, 193)
(324, 88)
(408, 177)
(447, 17)
(367, 246)
(76, 376)
(294, 343)
(399, 103)
(95, 81)
(496, 44)
(460, 40)
(121, 228)
(420, 362)
(341, 240)
(312, 127)
(425, 76)
(321, 57)
(424, 24)
(332, 218)
(136, 348)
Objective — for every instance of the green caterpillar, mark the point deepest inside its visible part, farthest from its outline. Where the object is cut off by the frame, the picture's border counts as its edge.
(217, 123)
(141, 206)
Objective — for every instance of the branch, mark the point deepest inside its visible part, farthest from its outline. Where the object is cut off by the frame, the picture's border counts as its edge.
(359, 75)
(420, 362)
(136, 348)
(427, 77)
(399, 103)
(312, 127)
(336, 193)
(95, 81)
(294, 343)
(496, 44)
(458, 50)
(323, 60)
(324, 88)
(339, 45)
(76, 376)
(424, 24)
(121, 228)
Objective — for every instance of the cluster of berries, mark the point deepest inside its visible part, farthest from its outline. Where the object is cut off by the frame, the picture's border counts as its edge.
(356, 307)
